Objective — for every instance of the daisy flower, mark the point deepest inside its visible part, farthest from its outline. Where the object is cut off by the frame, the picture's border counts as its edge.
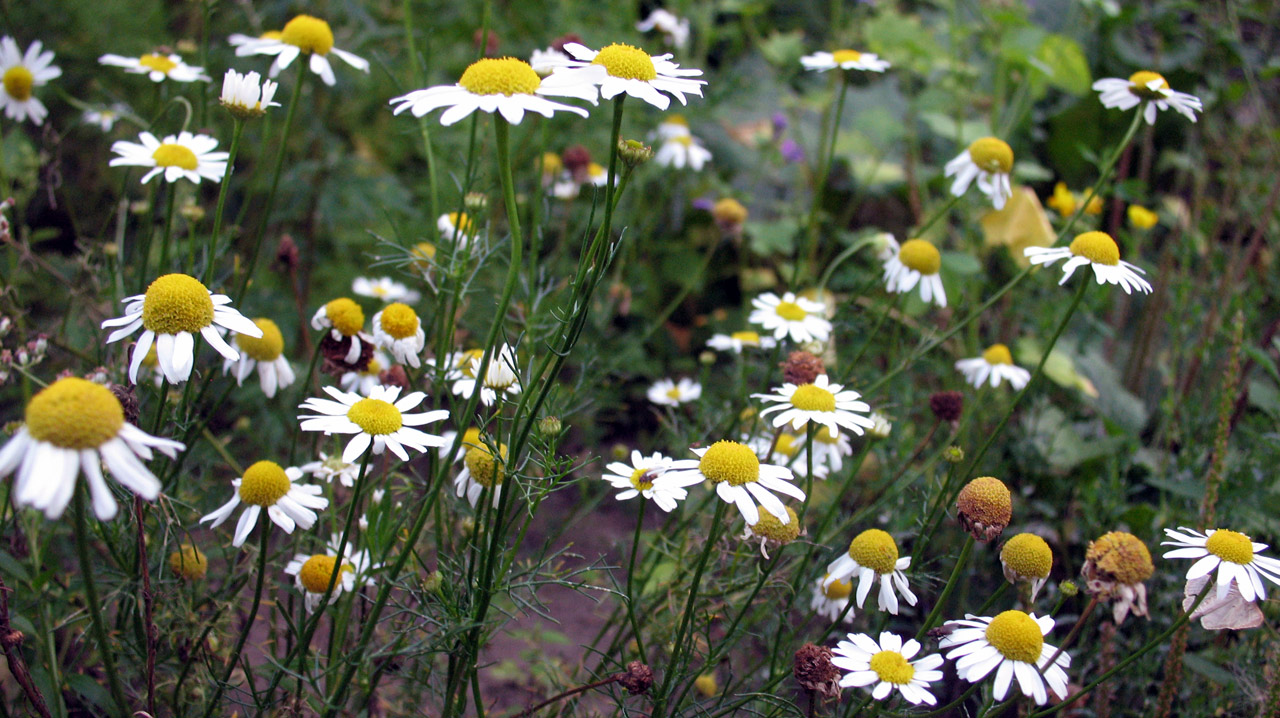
(915, 262)
(787, 450)
(820, 402)
(544, 62)
(996, 364)
(666, 392)
(1012, 644)
(266, 353)
(105, 117)
(1147, 87)
(266, 485)
(598, 176)
(481, 469)
(802, 319)
(1064, 201)
(239, 40)
(398, 329)
(830, 599)
(646, 476)
(1115, 568)
(1097, 250)
(333, 467)
(344, 318)
(376, 420)
(740, 478)
(507, 86)
(303, 34)
(21, 73)
(620, 68)
(456, 227)
(988, 160)
(173, 309)
(882, 667)
(673, 28)
(772, 532)
(158, 67)
(246, 96)
(830, 449)
(180, 156)
(313, 573)
(384, 288)
(1235, 557)
(845, 60)
(500, 377)
(682, 151)
(364, 382)
(75, 425)
(874, 553)
(1027, 557)
(738, 341)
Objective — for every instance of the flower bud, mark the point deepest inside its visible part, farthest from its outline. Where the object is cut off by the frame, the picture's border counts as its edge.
(634, 152)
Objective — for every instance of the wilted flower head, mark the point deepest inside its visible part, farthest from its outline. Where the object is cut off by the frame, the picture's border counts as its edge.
(984, 508)
(1115, 567)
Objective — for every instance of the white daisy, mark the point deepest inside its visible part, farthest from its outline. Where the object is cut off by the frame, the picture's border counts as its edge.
(180, 156)
(738, 341)
(398, 329)
(239, 40)
(1233, 555)
(313, 573)
(682, 151)
(1148, 87)
(831, 599)
(786, 450)
(21, 73)
(364, 382)
(874, 553)
(544, 62)
(820, 402)
(1012, 644)
(247, 95)
(845, 60)
(673, 28)
(75, 425)
(598, 176)
(266, 353)
(915, 262)
(345, 320)
(882, 667)
(646, 476)
(105, 117)
(995, 364)
(507, 86)
(266, 485)
(666, 392)
(1098, 250)
(303, 34)
(376, 420)
(830, 449)
(333, 467)
(455, 227)
(384, 288)
(802, 319)
(989, 160)
(620, 68)
(480, 468)
(502, 376)
(740, 478)
(158, 67)
(173, 309)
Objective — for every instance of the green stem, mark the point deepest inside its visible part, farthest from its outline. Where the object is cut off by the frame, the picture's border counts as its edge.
(824, 170)
(937, 215)
(222, 203)
(840, 259)
(170, 203)
(631, 572)
(415, 75)
(946, 590)
(264, 536)
(95, 607)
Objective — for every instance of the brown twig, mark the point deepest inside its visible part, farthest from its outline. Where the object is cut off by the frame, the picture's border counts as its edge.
(11, 642)
(148, 602)
(571, 692)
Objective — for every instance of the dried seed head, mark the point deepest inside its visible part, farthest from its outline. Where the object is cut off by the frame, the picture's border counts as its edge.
(947, 405)
(802, 368)
(984, 507)
(813, 670)
(637, 679)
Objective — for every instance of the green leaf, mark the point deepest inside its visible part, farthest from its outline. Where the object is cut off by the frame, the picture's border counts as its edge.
(1188, 489)
(1209, 669)
(89, 689)
(1063, 64)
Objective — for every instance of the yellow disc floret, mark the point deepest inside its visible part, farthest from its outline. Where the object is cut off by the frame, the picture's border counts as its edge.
(790, 311)
(74, 413)
(18, 82)
(189, 562)
(986, 499)
(309, 34)
(808, 397)
(627, 62)
(479, 459)
(843, 56)
(1140, 84)
(642, 479)
(263, 484)
(345, 315)
(747, 338)
(992, 155)
(157, 63)
(177, 303)
(787, 445)
(730, 461)
(921, 256)
(1122, 555)
(267, 348)
(892, 667)
(461, 223)
(997, 354)
(550, 164)
(173, 155)
(1016, 636)
(824, 436)
(874, 549)
(1097, 247)
(507, 76)
(400, 321)
(727, 210)
(1141, 217)
(838, 589)
(375, 416)
(771, 528)
(1028, 556)
(1230, 546)
(317, 572)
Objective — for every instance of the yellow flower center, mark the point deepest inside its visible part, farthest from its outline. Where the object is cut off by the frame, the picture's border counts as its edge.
(462, 223)
(157, 63)
(467, 361)
(399, 320)
(318, 571)
(551, 163)
(1139, 84)
(839, 589)
(74, 413)
(345, 315)
(843, 56)
(507, 76)
(727, 210)
(1141, 217)
(269, 347)
(673, 393)
(892, 667)
(1097, 247)
(1028, 555)
(790, 311)
(987, 500)
(189, 562)
(921, 256)
(641, 480)
(1016, 636)
(627, 62)
(874, 549)
(423, 253)
(177, 303)
(18, 82)
(808, 397)
(1063, 201)
(173, 155)
(309, 34)
(997, 354)
(375, 416)
(730, 461)
(1230, 546)
(1122, 555)
(992, 155)
(480, 462)
(786, 445)
(771, 528)
(825, 436)
(747, 338)
(676, 120)
(263, 484)
(271, 35)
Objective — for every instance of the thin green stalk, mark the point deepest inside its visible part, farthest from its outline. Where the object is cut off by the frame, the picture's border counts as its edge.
(937, 215)
(264, 536)
(222, 203)
(95, 607)
(840, 259)
(946, 590)
(824, 169)
(631, 572)
(170, 203)
(415, 76)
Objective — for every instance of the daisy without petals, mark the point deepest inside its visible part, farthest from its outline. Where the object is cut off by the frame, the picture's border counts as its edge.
(666, 392)
(1232, 554)
(874, 553)
(1097, 250)
(798, 317)
(821, 402)
(738, 341)
(266, 353)
(1012, 644)
(170, 313)
(988, 160)
(398, 329)
(507, 86)
(773, 533)
(996, 365)
(646, 476)
(302, 34)
(75, 425)
(21, 73)
(620, 68)
(845, 60)
(882, 666)
(156, 66)
(831, 599)
(500, 377)
(180, 156)
(266, 485)
(1115, 567)
(740, 478)
(1149, 87)
(1027, 557)
(377, 420)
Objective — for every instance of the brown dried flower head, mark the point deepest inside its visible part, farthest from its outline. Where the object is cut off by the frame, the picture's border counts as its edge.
(984, 507)
(1115, 566)
(947, 405)
(802, 368)
(814, 671)
(637, 679)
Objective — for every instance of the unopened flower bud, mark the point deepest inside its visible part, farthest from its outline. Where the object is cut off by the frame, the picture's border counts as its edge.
(475, 202)
(1068, 588)
(634, 152)
(432, 582)
(549, 427)
(953, 454)
(192, 212)
(707, 358)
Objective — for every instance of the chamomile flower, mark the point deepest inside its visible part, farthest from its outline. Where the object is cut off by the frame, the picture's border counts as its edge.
(646, 477)
(157, 67)
(1027, 557)
(384, 288)
(313, 573)
(105, 117)
(915, 262)
(483, 466)
(1115, 569)
(830, 449)
(502, 376)
(802, 319)
(666, 392)
(181, 156)
(333, 467)
(679, 147)
(398, 329)
(173, 309)
(1011, 644)
(820, 402)
(994, 366)
(376, 420)
(344, 319)
(786, 450)
(1097, 250)
(266, 485)
(20, 74)
(239, 40)
(988, 160)
(738, 341)
(673, 28)
(845, 60)
(303, 34)
(1235, 557)
(1147, 87)
(883, 666)
(266, 353)
(544, 62)
(456, 227)
(620, 68)
(364, 382)
(873, 553)
(246, 95)
(773, 533)
(830, 599)
(75, 425)
(597, 175)
(507, 86)
(740, 478)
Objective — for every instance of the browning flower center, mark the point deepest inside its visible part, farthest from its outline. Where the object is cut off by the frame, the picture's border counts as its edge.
(921, 256)
(375, 416)
(263, 484)
(507, 76)
(1122, 555)
(1016, 636)
(174, 155)
(992, 155)
(730, 461)
(627, 62)
(74, 413)
(18, 82)
(809, 397)
(874, 549)
(987, 500)
(309, 34)
(177, 303)
(1097, 247)
(892, 667)
(1230, 546)
(267, 348)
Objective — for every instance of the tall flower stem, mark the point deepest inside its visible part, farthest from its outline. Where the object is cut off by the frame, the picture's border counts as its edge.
(95, 607)
(222, 203)
(264, 535)
(631, 572)
(820, 185)
(946, 590)
(415, 75)
(170, 203)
